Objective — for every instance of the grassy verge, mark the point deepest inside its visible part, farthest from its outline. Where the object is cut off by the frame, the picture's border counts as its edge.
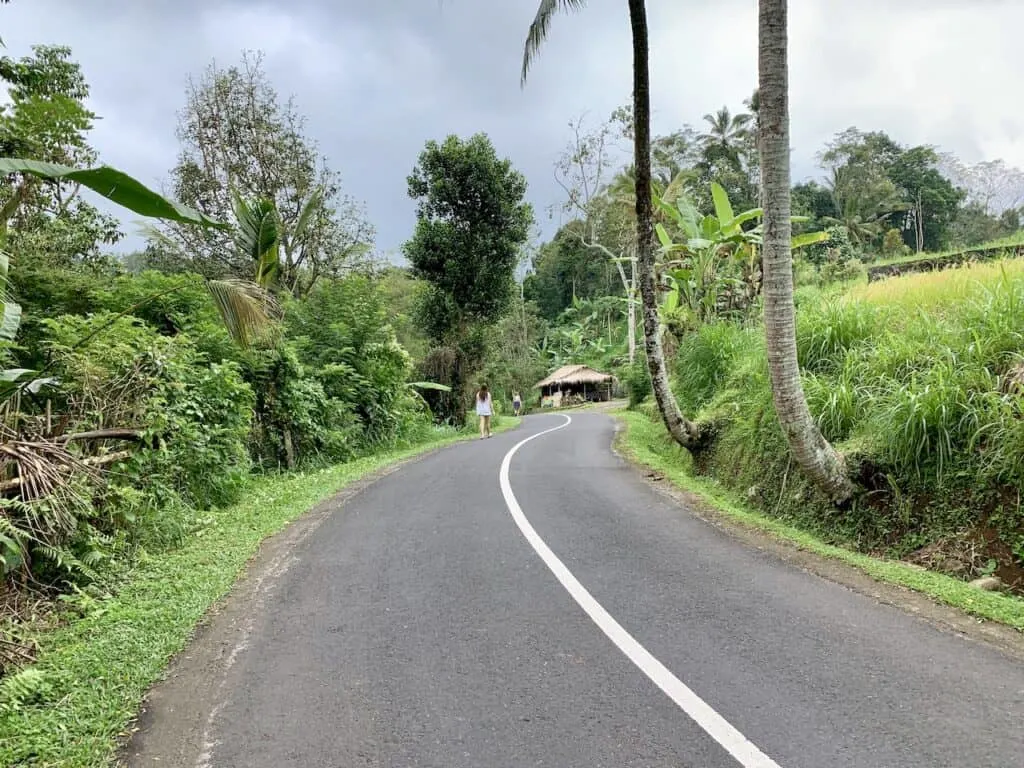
(645, 442)
(70, 707)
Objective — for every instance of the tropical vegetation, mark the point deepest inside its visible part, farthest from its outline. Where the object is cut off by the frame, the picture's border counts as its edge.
(258, 341)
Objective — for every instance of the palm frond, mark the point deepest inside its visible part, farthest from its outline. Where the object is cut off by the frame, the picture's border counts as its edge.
(539, 29)
(248, 311)
(42, 471)
(309, 210)
(258, 235)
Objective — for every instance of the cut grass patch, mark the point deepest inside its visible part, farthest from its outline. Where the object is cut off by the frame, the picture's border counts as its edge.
(92, 672)
(645, 442)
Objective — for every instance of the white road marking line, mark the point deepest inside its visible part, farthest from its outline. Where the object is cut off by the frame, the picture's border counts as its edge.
(716, 726)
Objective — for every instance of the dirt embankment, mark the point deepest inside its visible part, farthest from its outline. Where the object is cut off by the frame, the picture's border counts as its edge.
(882, 271)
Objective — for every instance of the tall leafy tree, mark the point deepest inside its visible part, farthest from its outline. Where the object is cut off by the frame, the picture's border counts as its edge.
(472, 223)
(865, 200)
(933, 200)
(814, 454)
(685, 432)
(876, 182)
(814, 200)
(566, 268)
(46, 119)
(237, 136)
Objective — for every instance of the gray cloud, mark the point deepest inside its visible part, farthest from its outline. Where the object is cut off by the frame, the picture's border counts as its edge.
(377, 79)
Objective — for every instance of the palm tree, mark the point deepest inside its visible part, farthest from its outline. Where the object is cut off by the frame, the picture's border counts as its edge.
(863, 202)
(685, 432)
(753, 105)
(815, 456)
(727, 132)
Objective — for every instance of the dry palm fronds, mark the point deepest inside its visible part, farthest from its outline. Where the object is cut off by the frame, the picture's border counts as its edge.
(43, 472)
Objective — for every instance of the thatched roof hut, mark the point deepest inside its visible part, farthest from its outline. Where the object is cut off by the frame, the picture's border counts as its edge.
(581, 381)
(574, 375)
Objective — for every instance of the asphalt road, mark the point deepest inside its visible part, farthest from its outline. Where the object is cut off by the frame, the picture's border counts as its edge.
(576, 619)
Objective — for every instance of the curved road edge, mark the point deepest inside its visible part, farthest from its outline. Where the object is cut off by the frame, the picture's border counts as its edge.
(939, 615)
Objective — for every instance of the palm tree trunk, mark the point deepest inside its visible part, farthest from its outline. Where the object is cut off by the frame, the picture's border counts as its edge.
(629, 286)
(816, 457)
(683, 431)
(631, 307)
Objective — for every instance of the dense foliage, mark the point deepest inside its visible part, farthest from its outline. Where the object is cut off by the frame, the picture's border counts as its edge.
(916, 381)
(135, 399)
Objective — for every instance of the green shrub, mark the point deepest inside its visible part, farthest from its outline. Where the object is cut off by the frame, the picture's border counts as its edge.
(893, 245)
(845, 271)
(637, 381)
(296, 422)
(705, 361)
(170, 304)
(343, 340)
(192, 417)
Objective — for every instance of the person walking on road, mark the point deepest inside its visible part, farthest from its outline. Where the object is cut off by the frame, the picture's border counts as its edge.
(483, 410)
(517, 403)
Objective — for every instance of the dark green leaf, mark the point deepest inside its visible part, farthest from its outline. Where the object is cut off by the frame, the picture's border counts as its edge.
(116, 186)
(10, 320)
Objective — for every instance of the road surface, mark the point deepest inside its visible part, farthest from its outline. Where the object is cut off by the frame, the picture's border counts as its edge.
(508, 604)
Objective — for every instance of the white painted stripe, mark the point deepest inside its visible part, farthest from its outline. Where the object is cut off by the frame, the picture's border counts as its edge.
(716, 726)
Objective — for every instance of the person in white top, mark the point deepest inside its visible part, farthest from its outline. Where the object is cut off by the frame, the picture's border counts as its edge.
(483, 410)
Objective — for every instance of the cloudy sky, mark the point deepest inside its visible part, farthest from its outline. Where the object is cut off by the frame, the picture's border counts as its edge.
(377, 78)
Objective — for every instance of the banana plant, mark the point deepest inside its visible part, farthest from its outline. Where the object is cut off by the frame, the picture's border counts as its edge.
(12, 380)
(715, 257)
(116, 186)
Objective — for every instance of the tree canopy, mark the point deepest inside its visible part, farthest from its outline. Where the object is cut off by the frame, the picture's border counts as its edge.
(472, 223)
(237, 136)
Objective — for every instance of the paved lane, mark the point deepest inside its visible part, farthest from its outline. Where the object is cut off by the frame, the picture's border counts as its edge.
(419, 627)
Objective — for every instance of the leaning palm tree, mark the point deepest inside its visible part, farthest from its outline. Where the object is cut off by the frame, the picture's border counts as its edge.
(815, 456)
(685, 432)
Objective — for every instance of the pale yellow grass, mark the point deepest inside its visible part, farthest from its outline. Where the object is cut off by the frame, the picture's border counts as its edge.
(937, 290)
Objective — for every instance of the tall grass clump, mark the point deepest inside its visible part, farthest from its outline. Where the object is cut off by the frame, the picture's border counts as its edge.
(827, 331)
(918, 379)
(707, 358)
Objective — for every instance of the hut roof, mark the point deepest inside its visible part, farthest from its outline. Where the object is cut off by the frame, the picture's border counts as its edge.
(574, 374)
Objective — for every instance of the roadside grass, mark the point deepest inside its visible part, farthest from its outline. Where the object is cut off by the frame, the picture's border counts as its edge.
(645, 442)
(72, 705)
(916, 379)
